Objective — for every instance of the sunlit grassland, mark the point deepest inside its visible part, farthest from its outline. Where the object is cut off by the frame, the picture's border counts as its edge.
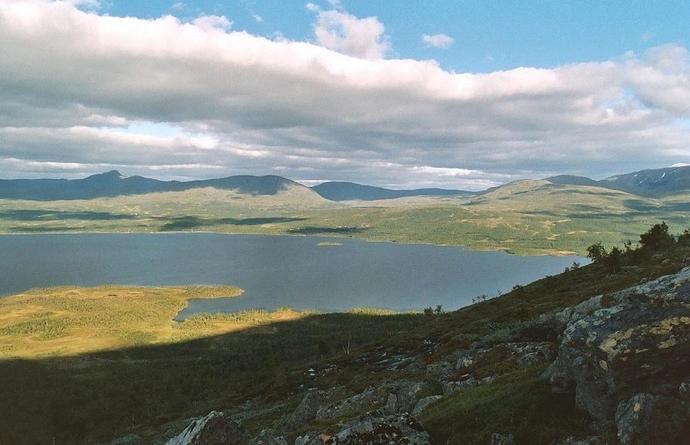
(72, 320)
(532, 217)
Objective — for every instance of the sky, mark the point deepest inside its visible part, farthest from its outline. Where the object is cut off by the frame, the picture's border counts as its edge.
(441, 93)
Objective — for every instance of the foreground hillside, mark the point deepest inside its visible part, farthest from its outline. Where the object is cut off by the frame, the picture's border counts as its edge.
(599, 352)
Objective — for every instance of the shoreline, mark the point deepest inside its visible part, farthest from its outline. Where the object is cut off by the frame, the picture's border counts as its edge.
(326, 237)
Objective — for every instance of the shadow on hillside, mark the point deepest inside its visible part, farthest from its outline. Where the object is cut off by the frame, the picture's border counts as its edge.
(192, 222)
(97, 396)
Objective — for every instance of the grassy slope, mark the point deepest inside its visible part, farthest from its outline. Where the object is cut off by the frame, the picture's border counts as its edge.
(529, 217)
(144, 387)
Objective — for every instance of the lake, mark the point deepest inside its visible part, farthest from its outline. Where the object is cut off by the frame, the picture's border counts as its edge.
(274, 270)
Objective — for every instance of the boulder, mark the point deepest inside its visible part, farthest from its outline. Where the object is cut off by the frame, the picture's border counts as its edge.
(630, 342)
(423, 403)
(363, 402)
(130, 439)
(211, 429)
(371, 429)
(502, 439)
(311, 438)
(453, 386)
(519, 353)
(269, 437)
(441, 370)
(404, 394)
(571, 440)
(647, 419)
(311, 403)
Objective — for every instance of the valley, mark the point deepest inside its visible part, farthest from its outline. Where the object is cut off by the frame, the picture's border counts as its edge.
(531, 217)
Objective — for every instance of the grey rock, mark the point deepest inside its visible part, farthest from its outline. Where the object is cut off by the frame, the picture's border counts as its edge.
(440, 370)
(397, 429)
(211, 429)
(407, 393)
(520, 353)
(424, 403)
(625, 341)
(269, 437)
(486, 380)
(632, 416)
(651, 419)
(531, 353)
(130, 439)
(394, 397)
(452, 387)
(311, 403)
(363, 402)
(312, 438)
(502, 439)
(391, 404)
(570, 440)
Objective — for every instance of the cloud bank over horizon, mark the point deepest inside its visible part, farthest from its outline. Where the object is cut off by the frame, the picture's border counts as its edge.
(82, 92)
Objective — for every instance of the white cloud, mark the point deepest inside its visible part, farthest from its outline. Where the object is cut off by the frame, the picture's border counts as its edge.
(208, 22)
(257, 18)
(441, 41)
(343, 32)
(647, 36)
(72, 81)
(86, 4)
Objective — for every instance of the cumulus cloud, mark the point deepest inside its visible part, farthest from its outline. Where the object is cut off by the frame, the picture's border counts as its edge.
(257, 18)
(441, 41)
(208, 22)
(74, 85)
(343, 32)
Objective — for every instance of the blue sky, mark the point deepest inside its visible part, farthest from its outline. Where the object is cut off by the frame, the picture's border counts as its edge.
(489, 35)
(394, 93)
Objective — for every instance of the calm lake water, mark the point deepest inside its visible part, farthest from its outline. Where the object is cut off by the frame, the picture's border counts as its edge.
(274, 270)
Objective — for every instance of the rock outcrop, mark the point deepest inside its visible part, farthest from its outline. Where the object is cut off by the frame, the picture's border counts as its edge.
(212, 429)
(624, 355)
(627, 354)
(372, 429)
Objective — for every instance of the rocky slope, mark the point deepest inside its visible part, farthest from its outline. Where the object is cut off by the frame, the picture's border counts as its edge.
(623, 356)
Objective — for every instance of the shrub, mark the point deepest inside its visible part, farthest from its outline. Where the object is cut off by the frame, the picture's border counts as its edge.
(684, 238)
(613, 260)
(656, 237)
(596, 252)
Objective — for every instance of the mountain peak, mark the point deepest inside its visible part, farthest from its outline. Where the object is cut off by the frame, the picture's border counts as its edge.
(112, 175)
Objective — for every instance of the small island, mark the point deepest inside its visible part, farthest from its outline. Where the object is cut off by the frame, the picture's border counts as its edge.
(329, 244)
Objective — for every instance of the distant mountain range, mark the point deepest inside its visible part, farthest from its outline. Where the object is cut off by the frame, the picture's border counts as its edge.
(113, 183)
(650, 183)
(347, 191)
(653, 182)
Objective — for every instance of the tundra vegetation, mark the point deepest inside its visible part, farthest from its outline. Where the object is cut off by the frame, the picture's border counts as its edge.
(87, 365)
(528, 217)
